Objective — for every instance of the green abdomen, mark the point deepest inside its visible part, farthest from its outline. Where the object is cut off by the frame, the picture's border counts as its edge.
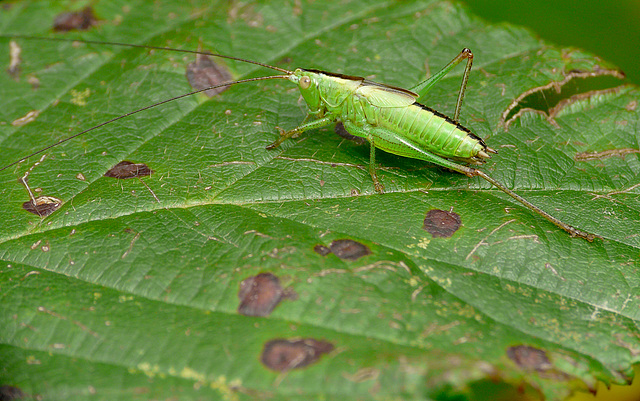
(432, 131)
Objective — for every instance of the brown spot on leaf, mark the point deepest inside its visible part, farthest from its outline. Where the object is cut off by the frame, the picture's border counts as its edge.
(126, 169)
(321, 250)
(342, 132)
(204, 73)
(441, 223)
(10, 393)
(283, 355)
(259, 295)
(75, 21)
(349, 249)
(42, 205)
(529, 358)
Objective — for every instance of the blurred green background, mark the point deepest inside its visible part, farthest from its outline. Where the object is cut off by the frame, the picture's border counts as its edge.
(608, 28)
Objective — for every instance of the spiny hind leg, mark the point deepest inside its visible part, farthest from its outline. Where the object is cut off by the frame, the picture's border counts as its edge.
(410, 149)
(363, 133)
(305, 126)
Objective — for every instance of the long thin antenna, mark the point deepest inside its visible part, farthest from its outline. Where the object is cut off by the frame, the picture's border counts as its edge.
(142, 109)
(97, 42)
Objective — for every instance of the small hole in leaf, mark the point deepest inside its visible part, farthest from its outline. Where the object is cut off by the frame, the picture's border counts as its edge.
(283, 355)
(349, 249)
(204, 73)
(126, 169)
(75, 21)
(441, 223)
(529, 358)
(42, 205)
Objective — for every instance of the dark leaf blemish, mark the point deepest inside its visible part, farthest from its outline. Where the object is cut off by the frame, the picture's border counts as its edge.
(42, 205)
(342, 132)
(9, 393)
(441, 223)
(321, 250)
(349, 249)
(529, 358)
(204, 73)
(126, 169)
(283, 355)
(75, 21)
(259, 295)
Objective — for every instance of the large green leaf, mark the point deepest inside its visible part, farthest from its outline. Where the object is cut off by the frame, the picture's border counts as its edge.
(130, 289)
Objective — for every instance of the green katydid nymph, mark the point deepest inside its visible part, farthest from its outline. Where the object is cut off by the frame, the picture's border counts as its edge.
(388, 117)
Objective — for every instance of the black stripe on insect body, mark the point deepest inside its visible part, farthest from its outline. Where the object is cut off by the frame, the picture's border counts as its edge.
(450, 120)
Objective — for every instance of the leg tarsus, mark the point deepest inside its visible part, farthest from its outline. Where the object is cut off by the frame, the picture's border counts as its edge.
(284, 135)
(574, 232)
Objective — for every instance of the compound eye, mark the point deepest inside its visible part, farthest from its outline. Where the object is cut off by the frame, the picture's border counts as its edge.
(305, 82)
